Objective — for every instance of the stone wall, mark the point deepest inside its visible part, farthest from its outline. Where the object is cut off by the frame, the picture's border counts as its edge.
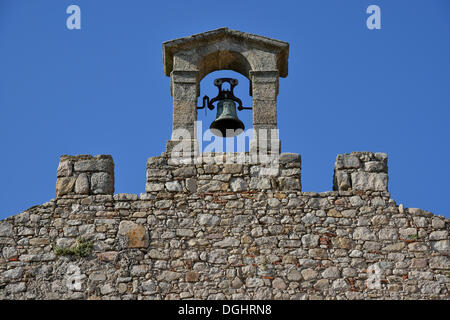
(220, 231)
(233, 172)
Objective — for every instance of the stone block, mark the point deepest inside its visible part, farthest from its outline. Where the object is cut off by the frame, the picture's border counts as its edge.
(94, 165)
(102, 183)
(346, 161)
(82, 184)
(173, 186)
(374, 166)
(6, 229)
(290, 183)
(65, 169)
(342, 180)
(64, 186)
(136, 234)
(238, 184)
(191, 185)
(368, 181)
(290, 157)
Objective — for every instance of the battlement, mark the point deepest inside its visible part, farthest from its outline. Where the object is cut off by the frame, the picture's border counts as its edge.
(226, 172)
(85, 174)
(365, 171)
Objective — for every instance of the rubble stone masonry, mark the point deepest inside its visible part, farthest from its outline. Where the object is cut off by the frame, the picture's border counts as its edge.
(209, 229)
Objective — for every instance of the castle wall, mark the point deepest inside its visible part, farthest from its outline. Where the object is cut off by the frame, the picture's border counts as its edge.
(212, 230)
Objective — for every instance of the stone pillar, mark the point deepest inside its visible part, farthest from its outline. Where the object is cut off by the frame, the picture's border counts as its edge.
(184, 90)
(85, 175)
(364, 171)
(264, 89)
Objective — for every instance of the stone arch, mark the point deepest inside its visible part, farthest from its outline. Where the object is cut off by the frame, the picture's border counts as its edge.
(223, 60)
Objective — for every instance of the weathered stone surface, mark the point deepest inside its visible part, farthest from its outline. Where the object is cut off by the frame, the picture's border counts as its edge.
(254, 282)
(342, 180)
(6, 229)
(232, 168)
(369, 181)
(16, 287)
(374, 166)
(227, 242)
(289, 157)
(342, 242)
(125, 197)
(331, 273)
(322, 284)
(184, 232)
(290, 183)
(102, 183)
(294, 275)
(440, 262)
(82, 184)
(149, 287)
(208, 220)
(14, 273)
(437, 223)
(192, 276)
(441, 246)
(191, 185)
(9, 252)
(185, 172)
(210, 186)
(152, 187)
(309, 274)
(218, 256)
(94, 165)
(108, 256)
(64, 186)
(363, 233)
(347, 161)
(174, 186)
(439, 235)
(388, 234)
(279, 283)
(169, 276)
(65, 169)
(310, 240)
(238, 184)
(137, 234)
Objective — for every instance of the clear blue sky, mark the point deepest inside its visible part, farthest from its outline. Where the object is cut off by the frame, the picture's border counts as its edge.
(101, 89)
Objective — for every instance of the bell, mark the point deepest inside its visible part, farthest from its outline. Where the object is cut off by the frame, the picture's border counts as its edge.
(226, 118)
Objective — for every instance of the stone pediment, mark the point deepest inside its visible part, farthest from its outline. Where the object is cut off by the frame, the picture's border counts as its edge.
(224, 39)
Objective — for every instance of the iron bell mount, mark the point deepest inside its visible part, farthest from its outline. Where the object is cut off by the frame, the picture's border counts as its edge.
(227, 123)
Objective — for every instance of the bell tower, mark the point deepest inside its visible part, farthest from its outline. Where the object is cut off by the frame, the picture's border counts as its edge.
(188, 60)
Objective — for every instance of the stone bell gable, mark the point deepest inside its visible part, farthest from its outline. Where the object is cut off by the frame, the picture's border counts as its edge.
(262, 60)
(224, 225)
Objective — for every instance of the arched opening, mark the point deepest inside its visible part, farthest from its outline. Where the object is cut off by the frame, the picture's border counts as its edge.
(223, 60)
(208, 142)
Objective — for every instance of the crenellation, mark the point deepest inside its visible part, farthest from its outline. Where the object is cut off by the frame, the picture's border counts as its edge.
(84, 175)
(365, 171)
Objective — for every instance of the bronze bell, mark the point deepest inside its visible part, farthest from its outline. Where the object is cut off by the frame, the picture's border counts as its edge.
(226, 117)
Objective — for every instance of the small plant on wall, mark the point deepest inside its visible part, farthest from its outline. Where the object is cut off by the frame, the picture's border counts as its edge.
(81, 249)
